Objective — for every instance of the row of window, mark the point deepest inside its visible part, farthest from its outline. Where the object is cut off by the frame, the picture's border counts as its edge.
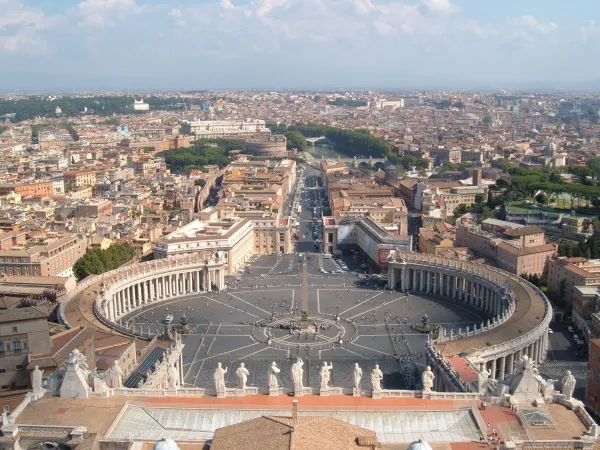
(16, 346)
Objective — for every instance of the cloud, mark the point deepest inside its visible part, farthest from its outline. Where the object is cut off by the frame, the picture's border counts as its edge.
(440, 6)
(264, 7)
(588, 29)
(530, 24)
(20, 27)
(103, 13)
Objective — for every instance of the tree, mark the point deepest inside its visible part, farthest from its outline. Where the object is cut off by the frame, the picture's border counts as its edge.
(488, 119)
(96, 261)
(594, 165)
(200, 182)
(479, 199)
(296, 140)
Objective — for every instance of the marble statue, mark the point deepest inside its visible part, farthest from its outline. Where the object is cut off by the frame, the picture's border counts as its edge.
(482, 379)
(568, 385)
(427, 378)
(114, 376)
(297, 375)
(273, 371)
(219, 378)
(242, 376)
(357, 375)
(36, 379)
(173, 376)
(376, 377)
(325, 374)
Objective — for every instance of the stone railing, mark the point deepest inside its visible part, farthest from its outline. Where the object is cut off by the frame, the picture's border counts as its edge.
(125, 274)
(486, 276)
(497, 277)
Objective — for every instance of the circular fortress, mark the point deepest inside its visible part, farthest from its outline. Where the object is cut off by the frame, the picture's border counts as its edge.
(267, 145)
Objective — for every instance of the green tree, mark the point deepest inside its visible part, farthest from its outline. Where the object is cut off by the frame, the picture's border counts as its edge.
(200, 182)
(296, 140)
(479, 199)
(594, 165)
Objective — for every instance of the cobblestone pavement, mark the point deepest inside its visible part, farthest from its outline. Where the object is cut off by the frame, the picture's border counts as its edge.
(221, 327)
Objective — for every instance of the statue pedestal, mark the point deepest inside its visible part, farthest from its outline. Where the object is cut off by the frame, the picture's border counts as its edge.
(221, 394)
(273, 391)
(298, 393)
(356, 392)
(426, 394)
(239, 392)
(324, 392)
(376, 395)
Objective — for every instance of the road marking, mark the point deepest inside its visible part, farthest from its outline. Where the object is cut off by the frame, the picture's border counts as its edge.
(377, 307)
(371, 349)
(367, 300)
(229, 306)
(248, 303)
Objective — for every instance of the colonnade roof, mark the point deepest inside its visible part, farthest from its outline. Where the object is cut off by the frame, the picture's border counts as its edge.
(528, 314)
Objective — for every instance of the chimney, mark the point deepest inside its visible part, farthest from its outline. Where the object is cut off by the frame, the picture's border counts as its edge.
(295, 410)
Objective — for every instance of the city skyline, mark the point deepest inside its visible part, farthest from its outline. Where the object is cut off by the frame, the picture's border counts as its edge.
(304, 44)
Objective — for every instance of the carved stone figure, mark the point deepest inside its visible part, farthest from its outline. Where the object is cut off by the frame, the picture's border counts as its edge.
(376, 377)
(325, 375)
(242, 376)
(482, 379)
(219, 377)
(357, 375)
(173, 377)
(273, 371)
(568, 385)
(297, 375)
(36, 379)
(114, 376)
(427, 379)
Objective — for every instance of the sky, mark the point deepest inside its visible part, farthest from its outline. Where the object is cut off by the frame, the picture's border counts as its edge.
(298, 44)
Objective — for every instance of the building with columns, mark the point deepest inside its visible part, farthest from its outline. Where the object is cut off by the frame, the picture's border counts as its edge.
(132, 288)
(232, 237)
(518, 315)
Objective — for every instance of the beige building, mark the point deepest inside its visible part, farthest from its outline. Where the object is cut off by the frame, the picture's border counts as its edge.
(77, 179)
(220, 128)
(435, 240)
(22, 331)
(566, 274)
(48, 258)
(516, 250)
(232, 236)
(63, 343)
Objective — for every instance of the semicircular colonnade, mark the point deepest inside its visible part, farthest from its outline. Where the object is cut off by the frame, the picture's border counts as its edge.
(519, 313)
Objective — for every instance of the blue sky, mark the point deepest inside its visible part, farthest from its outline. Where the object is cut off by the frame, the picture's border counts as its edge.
(274, 44)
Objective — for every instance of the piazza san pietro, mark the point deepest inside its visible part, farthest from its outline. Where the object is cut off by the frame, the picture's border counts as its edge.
(299, 225)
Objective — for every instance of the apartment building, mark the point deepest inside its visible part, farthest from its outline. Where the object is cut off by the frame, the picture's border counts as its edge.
(592, 391)
(48, 258)
(29, 189)
(22, 331)
(77, 179)
(516, 250)
(566, 275)
(233, 236)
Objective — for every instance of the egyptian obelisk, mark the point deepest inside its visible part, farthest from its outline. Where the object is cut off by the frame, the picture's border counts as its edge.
(304, 305)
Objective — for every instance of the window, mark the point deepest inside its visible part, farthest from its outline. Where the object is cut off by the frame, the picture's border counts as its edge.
(5, 409)
(2, 370)
(14, 329)
(25, 345)
(16, 345)
(19, 366)
(1, 347)
(4, 386)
